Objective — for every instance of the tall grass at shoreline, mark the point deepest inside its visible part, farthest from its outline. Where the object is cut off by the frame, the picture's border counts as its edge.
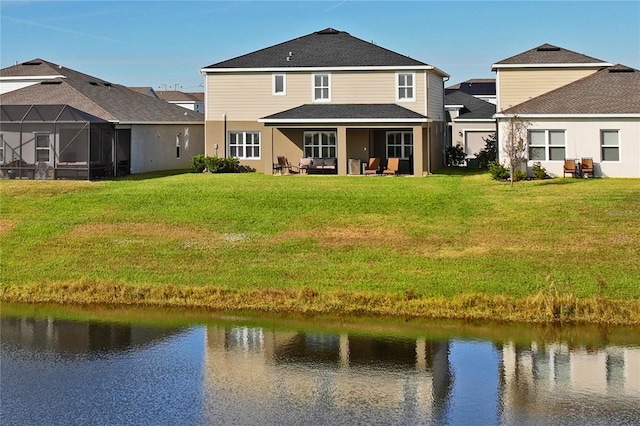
(444, 236)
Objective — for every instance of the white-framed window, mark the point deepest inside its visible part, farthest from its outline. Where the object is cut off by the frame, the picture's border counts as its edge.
(279, 84)
(320, 144)
(321, 87)
(610, 145)
(400, 145)
(178, 145)
(43, 147)
(547, 145)
(406, 86)
(244, 145)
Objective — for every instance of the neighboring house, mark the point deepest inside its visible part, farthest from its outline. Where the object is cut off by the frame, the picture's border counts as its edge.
(578, 107)
(193, 101)
(145, 91)
(326, 95)
(470, 121)
(60, 123)
(481, 88)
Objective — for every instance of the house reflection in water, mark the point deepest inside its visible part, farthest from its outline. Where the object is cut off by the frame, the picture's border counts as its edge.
(267, 368)
(75, 338)
(542, 378)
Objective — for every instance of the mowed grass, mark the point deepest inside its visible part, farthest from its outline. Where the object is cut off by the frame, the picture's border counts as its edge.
(445, 235)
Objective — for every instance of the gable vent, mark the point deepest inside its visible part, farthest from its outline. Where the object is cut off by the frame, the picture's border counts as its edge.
(548, 49)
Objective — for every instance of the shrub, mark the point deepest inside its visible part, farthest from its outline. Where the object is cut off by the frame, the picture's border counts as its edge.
(539, 172)
(490, 151)
(455, 155)
(519, 175)
(498, 171)
(198, 164)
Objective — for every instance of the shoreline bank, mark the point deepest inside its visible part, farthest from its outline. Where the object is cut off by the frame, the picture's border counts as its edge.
(543, 308)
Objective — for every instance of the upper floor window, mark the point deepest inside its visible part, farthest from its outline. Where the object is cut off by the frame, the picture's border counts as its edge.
(610, 144)
(43, 150)
(400, 145)
(321, 87)
(406, 87)
(178, 145)
(547, 145)
(244, 145)
(279, 84)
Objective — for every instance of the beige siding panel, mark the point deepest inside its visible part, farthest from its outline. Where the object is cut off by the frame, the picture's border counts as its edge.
(248, 96)
(519, 85)
(436, 98)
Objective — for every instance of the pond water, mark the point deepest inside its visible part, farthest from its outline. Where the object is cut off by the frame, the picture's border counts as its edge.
(236, 371)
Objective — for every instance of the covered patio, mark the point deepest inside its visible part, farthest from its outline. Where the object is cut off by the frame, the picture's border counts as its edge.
(352, 134)
(60, 142)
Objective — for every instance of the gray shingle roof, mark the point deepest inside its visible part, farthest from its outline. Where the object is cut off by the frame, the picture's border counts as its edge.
(549, 54)
(112, 102)
(613, 90)
(347, 112)
(326, 48)
(475, 86)
(176, 95)
(474, 108)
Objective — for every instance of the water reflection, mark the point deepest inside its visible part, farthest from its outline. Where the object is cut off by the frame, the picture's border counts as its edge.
(66, 372)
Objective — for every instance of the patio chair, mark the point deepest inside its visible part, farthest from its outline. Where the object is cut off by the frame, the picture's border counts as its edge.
(285, 166)
(586, 166)
(372, 167)
(569, 167)
(305, 164)
(393, 164)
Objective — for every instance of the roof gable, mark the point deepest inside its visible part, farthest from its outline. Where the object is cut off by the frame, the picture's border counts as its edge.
(327, 48)
(613, 90)
(109, 101)
(548, 54)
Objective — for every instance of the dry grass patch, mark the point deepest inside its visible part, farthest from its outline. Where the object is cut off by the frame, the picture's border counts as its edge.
(7, 225)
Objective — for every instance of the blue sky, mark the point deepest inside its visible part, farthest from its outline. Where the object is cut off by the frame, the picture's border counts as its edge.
(158, 43)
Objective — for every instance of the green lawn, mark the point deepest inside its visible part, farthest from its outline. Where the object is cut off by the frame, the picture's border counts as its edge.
(445, 235)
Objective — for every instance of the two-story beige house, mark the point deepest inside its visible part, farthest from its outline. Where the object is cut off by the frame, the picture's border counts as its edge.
(326, 95)
(578, 108)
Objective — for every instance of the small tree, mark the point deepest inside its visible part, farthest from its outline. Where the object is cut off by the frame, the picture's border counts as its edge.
(515, 145)
(489, 153)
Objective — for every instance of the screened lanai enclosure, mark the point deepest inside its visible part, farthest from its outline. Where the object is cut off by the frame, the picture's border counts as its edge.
(60, 142)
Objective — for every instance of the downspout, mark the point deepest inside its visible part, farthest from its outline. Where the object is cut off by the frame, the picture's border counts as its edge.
(224, 135)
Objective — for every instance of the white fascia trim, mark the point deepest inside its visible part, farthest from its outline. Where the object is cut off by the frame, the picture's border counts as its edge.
(321, 69)
(585, 65)
(147, 123)
(629, 115)
(454, 106)
(342, 120)
(32, 77)
(474, 120)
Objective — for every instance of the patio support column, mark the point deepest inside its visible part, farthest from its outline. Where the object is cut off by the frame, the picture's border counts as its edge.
(418, 151)
(342, 151)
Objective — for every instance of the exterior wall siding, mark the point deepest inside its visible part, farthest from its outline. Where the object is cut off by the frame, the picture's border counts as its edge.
(435, 107)
(583, 140)
(518, 85)
(248, 96)
(161, 140)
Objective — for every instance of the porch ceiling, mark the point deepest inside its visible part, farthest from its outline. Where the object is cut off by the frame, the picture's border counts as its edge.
(346, 113)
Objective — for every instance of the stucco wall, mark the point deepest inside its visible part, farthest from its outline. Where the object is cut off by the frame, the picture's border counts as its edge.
(582, 138)
(153, 146)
